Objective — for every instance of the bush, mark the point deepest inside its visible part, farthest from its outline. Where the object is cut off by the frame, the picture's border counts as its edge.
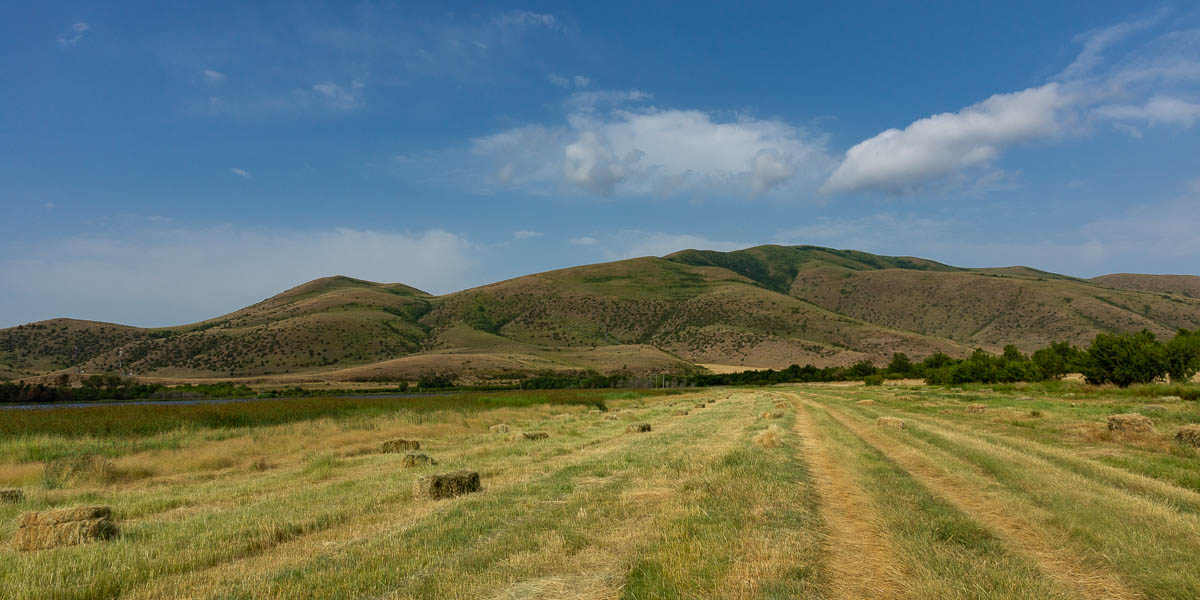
(873, 379)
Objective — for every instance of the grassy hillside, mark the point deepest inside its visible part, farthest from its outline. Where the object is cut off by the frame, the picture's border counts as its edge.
(1184, 285)
(769, 306)
(986, 308)
(703, 314)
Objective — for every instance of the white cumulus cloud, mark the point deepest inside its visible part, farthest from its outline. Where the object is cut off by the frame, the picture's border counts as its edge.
(608, 147)
(899, 159)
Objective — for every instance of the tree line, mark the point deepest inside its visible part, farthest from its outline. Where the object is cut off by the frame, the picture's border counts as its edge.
(1122, 359)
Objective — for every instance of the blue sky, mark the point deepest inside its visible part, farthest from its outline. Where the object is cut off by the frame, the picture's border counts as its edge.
(161, 165)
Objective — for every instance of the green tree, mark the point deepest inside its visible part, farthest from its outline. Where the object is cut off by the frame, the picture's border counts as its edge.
(1056, 360)
(1183, 355)
(1125, 359)
(860, 369)
(900, 364)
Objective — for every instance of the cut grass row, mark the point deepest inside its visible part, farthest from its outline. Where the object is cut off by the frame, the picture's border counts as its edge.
(1142, 538)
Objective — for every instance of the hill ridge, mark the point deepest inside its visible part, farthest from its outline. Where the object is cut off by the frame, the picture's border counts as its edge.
(768, 305)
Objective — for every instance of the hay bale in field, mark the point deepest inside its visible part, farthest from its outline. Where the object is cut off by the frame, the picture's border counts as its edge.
(680, 413)
(896, 422)
(1189, 434)
(11, 495)
(699, 405)
(399, 445)
(1153, 408)
(865, 403)
(777, 415)
(532, 435)
(637, 428)
(1130, 422)
(611, 417)
(976, 408)
(417, 459)
(499, 428)
(767, 438)
(1170, 398)
(781, 404)
(64, 527)
(446, 485)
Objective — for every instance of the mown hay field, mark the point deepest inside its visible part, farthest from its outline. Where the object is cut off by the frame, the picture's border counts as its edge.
(783, 492)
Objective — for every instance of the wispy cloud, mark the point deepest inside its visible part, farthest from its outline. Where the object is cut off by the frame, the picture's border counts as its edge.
(240, 172)
(633, 243)
(1157, 110)
(338, 97)
(212, 76)
(73, 35)
(525, 234)
(525, 18)
(578, 81)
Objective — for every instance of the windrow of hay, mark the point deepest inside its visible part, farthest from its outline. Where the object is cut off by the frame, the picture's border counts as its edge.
(896, 422)
(767, 438)
(865, 403)
(399, 445)
(1130, 422)
(446, 485)
(499, 428)
(11, 495)
(637, 428)
(976, 408)
(681, 413)
(699, 405)
(1154, 408)
(64, 527)
(781, 404)
(417, 459)
(1189, 434)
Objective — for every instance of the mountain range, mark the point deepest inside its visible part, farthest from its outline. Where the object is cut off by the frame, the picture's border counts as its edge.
(767, 306)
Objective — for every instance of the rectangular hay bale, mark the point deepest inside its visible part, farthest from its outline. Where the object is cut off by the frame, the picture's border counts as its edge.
(11, 496)
(446, 485)
(1130, 422)
(65, 527)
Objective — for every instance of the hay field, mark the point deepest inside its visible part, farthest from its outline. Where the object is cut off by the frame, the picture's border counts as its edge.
(1031, 496)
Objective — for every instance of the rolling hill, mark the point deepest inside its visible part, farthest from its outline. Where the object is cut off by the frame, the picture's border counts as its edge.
(768, 306)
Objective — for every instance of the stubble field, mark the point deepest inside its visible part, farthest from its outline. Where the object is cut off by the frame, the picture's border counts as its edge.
(787, 492)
